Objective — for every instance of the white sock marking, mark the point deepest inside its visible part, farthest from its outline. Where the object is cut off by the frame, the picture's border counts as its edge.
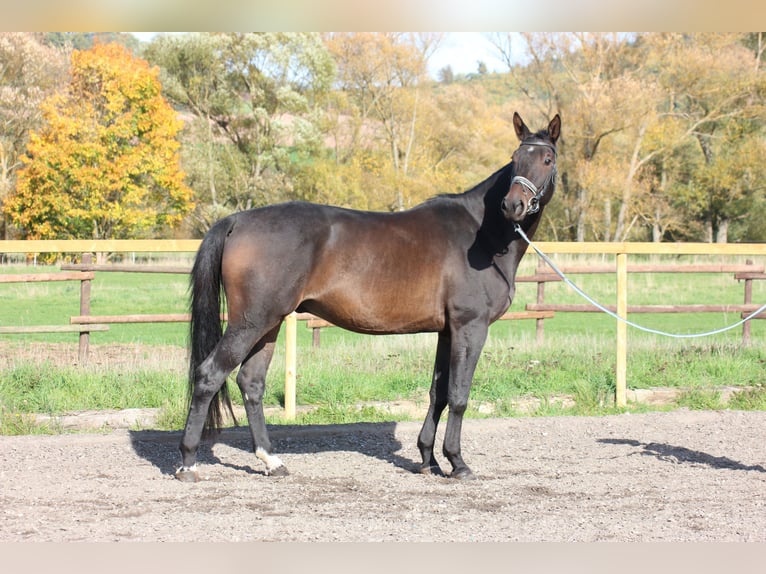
(271, 461)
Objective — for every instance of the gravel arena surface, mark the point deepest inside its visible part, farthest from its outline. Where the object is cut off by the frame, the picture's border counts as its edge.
(672, 476)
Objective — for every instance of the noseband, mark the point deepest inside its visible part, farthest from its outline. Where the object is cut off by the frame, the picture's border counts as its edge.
(527, 186)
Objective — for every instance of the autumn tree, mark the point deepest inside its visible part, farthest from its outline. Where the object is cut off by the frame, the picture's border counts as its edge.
(29, 72)
(714, 109)
(380, 76)
(597, 81)
(105, 163)
(664, 131)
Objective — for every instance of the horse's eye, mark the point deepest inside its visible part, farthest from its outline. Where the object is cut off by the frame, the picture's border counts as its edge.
(548, 161)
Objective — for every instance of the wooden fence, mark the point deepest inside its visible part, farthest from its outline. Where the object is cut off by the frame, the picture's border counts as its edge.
(539, 311)
(747, 272)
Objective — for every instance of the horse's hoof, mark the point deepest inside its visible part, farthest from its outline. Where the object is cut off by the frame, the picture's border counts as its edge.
(187, 475)
(463, 474)
(279, 471)
(432, 470)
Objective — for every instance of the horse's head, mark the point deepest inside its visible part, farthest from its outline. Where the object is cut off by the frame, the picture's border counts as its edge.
(534, 170)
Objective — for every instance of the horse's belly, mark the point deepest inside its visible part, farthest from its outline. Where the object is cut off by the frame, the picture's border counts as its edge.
(377, 279)
(377, 313)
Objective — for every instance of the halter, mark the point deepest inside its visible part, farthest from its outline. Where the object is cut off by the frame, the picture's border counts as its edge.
(537, 194)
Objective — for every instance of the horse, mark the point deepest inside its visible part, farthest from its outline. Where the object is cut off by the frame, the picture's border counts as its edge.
(447, 266)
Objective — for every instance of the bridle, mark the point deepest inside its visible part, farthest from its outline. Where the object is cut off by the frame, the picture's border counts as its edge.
(533, 206)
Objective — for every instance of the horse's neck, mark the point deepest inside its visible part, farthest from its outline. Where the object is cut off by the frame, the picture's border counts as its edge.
(495, 232)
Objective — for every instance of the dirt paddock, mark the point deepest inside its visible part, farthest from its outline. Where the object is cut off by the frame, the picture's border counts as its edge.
(678, 476)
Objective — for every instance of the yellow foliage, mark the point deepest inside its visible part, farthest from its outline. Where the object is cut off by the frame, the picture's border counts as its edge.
(105, 164)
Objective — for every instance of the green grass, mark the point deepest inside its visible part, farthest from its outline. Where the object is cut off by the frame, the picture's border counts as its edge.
(577, 359)
(48, 388)
(111, 294)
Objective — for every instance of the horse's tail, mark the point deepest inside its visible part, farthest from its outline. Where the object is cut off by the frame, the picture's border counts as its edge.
(205, 328)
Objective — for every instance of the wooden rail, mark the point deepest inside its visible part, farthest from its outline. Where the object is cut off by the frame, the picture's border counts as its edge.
(45, 277)
(182, 269)
(745, 272)
(588, 308)
(123, 319)
(84, 331)
(29, 329)
(658, 268)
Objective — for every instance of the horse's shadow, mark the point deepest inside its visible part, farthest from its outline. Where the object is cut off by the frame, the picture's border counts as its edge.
(681, 455)
(376, 440)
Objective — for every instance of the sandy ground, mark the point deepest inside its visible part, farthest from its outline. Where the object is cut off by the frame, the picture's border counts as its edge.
(678, 476)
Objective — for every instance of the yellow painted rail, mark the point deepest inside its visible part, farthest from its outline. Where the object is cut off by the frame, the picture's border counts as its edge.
(550, 247)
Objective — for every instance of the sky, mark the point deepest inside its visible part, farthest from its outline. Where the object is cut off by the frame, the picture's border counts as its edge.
(460, 50)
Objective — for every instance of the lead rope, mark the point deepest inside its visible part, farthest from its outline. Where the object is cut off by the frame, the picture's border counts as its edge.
(624, 320)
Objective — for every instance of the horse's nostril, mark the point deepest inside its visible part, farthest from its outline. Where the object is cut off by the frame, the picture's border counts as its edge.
(504, 205)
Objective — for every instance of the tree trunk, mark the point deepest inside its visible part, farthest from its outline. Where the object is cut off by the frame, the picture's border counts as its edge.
(620, 232)
(210, 164)
(582, 195)
(722, 234)
(656, 231)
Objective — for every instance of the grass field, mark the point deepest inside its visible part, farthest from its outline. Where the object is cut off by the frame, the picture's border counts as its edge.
(577, 358)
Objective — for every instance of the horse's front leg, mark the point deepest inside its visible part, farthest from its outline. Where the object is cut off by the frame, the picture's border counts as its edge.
(437, 402)
(467, 343)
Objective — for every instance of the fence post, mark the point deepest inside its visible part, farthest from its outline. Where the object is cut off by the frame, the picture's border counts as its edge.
(621, 371)
(748, 300)
(539, 323)
(84, 345)
(291, 341)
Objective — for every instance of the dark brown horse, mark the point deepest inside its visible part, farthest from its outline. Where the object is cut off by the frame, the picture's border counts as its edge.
(445, 266)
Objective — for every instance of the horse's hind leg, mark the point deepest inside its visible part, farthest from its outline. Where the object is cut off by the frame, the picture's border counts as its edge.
(211, 375)
(252, 383)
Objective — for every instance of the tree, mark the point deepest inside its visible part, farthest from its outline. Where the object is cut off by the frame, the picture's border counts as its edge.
(664, 132)
(86, 40)
(381, 76)
(29, 72)
(502, 44)
(255, 98)
(105, 163)
(278, 78)
(714, 99)
(594, 80)
(445, 75)
(193, 73)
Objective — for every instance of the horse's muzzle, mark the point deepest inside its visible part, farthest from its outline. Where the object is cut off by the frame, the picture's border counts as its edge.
(514, 209)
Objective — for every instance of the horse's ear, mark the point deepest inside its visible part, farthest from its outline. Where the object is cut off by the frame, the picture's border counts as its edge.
(554, 128)
(522, 131)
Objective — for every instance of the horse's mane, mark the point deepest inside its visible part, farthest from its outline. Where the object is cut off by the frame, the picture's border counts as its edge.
(479, 188)
(541, 135)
